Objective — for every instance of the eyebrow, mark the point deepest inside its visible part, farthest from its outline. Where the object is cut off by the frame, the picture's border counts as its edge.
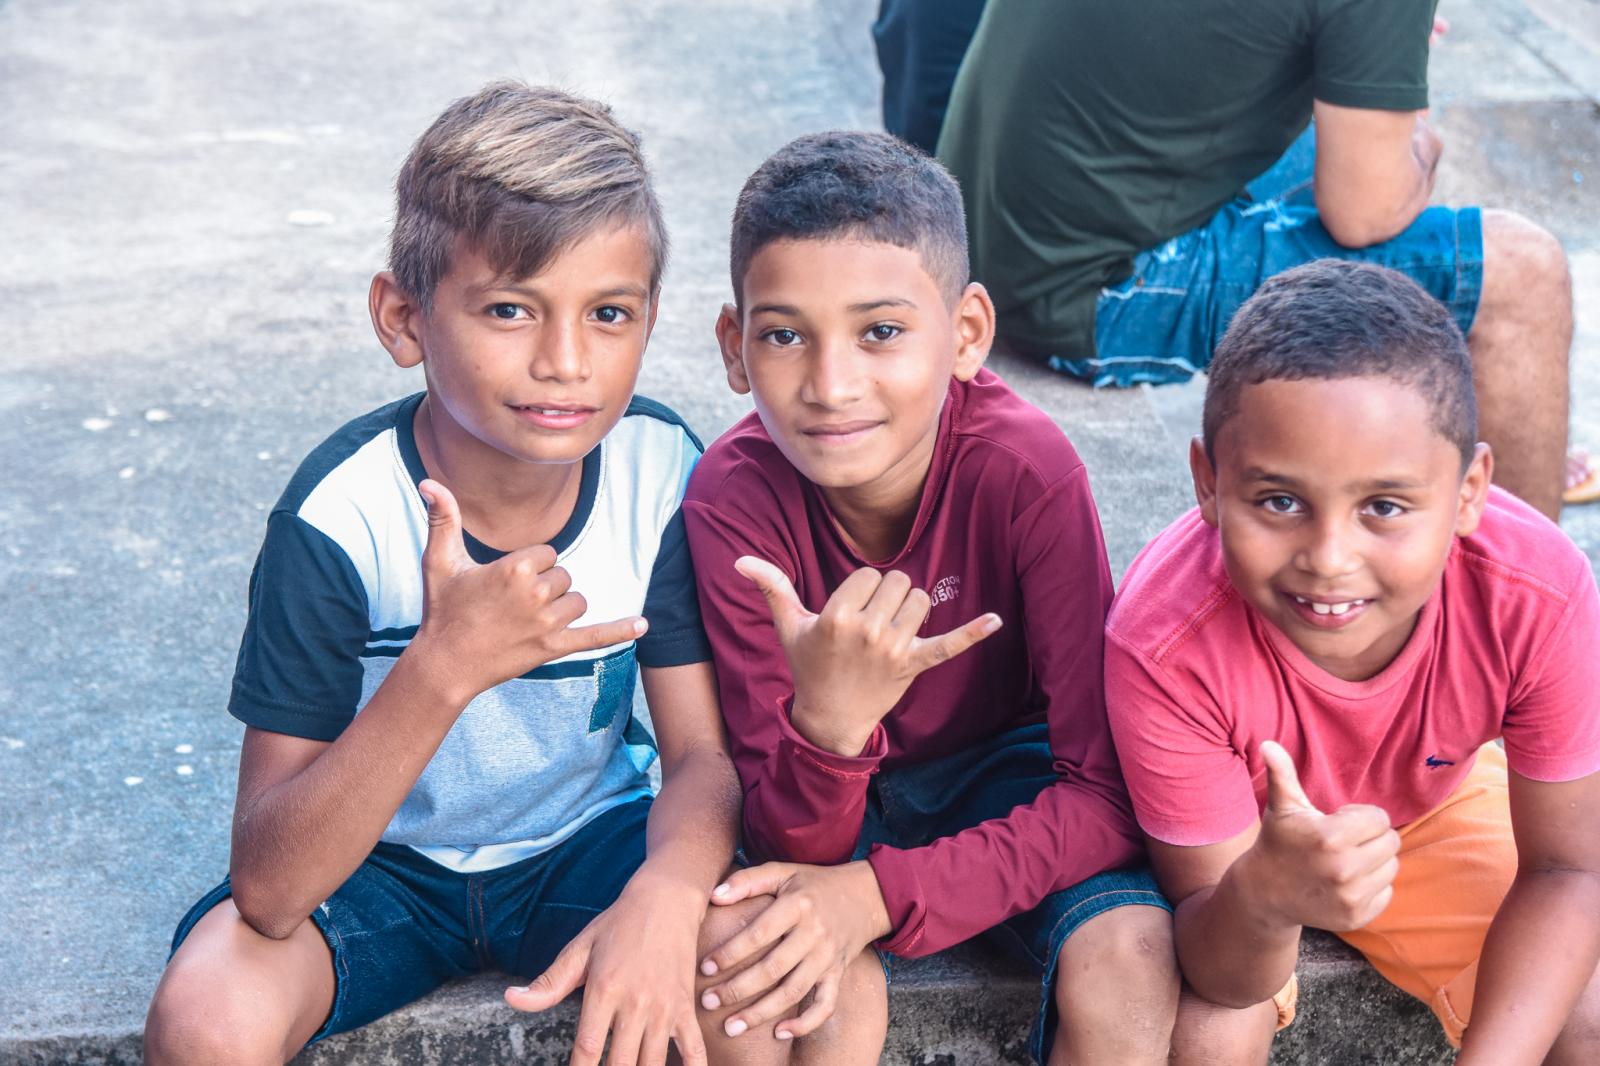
(1376, 485)
(638, 292)
(855, 309)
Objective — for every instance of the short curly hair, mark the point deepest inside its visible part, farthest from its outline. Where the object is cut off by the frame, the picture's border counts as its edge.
(846, 183)
(520, 173)
(1333, 319)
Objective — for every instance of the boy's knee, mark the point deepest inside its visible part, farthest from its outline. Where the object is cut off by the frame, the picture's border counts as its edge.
(722, 924)
(1120, 967)
(198, 1015)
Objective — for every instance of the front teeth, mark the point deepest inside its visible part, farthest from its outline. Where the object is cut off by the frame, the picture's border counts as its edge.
(1330, 608)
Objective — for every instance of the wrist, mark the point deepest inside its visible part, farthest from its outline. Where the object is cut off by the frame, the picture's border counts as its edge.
(668, 889)
(823, 731)
(1251, 882)
(434, 677)
(874, 911)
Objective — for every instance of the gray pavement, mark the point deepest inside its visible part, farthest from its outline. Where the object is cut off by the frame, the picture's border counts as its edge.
(193, 201)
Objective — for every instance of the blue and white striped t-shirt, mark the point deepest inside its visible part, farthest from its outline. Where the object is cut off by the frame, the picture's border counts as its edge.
(336, 596)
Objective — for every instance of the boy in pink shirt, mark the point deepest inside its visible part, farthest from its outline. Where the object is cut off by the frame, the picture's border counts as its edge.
(1305, 673)
(904, 586)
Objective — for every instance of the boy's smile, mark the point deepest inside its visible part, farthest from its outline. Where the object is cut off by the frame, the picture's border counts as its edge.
(1338, 504)
(848, 347)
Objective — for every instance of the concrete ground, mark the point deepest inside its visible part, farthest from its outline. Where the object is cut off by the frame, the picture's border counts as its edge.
(193, 199)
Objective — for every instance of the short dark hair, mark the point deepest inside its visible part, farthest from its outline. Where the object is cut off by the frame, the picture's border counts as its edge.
(521, 173)
(847, 183)
(1333, 319)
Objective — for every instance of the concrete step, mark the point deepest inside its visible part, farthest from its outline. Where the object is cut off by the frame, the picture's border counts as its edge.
(968, 1007)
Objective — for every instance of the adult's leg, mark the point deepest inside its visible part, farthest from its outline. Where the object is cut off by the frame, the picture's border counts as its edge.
(855, 1033)
(231, 995)
(1520, 340)
(1116, 989)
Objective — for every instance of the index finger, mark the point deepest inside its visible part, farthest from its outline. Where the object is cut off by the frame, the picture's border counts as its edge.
(932, 651)
(766, 929)
(1357, 823)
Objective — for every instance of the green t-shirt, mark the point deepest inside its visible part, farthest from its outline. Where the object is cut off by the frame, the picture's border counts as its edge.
(1084, 131)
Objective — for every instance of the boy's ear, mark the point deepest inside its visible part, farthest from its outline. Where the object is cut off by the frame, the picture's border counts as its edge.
(1205, 481)
(395, 318)
(1474, 490)
(730, 338)
(974, 321)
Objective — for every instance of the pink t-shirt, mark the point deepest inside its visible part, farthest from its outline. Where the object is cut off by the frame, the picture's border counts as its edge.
(1196, 679)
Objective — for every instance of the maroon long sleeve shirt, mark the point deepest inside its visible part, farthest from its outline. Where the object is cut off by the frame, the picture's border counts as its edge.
(1005, 524)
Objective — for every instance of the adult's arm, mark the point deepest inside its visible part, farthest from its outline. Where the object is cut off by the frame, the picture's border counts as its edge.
(1374, 171)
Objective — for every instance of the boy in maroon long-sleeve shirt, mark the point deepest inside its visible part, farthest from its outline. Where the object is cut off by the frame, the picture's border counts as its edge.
(905, 587)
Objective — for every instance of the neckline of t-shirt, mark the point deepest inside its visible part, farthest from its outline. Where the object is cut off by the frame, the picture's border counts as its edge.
(588, 486)
(1396, 672)
(932, 487)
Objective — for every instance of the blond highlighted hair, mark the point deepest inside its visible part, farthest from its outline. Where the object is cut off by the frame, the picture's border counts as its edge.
(519, 173)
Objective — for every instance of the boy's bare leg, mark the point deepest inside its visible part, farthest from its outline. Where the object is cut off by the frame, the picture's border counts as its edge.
(231, 995)
(1209, 1035)
(1116, 990)
(1520, 342)
(855, 1034)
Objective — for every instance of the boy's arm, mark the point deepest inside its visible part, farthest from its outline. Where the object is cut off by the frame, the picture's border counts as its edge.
(801, 802)
(1544, 943)
(636, 960)
(309, 812)
(1241, 903)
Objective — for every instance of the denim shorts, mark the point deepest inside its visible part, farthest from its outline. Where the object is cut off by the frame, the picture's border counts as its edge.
(402, 924)
(911, 806)
(1162, 324)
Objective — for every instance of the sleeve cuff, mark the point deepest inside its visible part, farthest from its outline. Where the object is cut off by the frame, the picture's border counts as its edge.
(1199, 830)
(897, 877)
(830, 762)
(309, 723)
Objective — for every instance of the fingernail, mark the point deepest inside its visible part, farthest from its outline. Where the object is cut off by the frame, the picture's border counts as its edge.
(640, 626)
(735, 1027)
(784, 1034)
(521, 990)
(720, 890)
(710, 1001)
(994, 623)
(708, 968)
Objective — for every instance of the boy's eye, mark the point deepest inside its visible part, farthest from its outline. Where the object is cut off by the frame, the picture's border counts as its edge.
(611, 315)
(505, 312)
(781, 337)
(883, 331)
(1386, 509)
(1281, 504)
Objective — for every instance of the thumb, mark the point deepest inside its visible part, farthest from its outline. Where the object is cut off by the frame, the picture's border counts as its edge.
(557, 982)
(445, 546)
(787, 610)
(763, 880)
(1284, 794)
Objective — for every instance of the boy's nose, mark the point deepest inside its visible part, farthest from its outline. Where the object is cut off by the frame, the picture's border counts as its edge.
(833, 379)
(1332, 549)
(559, 355)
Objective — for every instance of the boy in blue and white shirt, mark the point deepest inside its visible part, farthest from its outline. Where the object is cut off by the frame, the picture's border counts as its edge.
(441, 770)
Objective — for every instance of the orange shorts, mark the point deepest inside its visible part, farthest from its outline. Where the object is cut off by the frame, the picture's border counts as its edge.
(1456, 866)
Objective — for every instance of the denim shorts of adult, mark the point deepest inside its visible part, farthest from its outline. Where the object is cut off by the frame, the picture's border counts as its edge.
(911, 806)
(1162, 324)
(402, 924)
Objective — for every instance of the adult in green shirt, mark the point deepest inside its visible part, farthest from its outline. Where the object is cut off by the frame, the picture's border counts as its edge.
(1104, 150)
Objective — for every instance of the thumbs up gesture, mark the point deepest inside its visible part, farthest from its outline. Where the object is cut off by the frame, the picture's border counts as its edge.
(1332, 871)
(852, 662)
(488, 623)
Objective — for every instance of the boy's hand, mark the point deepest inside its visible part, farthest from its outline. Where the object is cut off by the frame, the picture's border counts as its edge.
(636, 964)
(1331, 871)
(489, 623)
(821, 919)
(853, 662)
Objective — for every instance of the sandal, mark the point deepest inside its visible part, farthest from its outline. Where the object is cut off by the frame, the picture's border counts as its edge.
(1583, 479)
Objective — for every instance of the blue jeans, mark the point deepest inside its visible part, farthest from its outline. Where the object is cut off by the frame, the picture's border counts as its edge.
(911, 806)
(402, 925)
(1162, 324)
